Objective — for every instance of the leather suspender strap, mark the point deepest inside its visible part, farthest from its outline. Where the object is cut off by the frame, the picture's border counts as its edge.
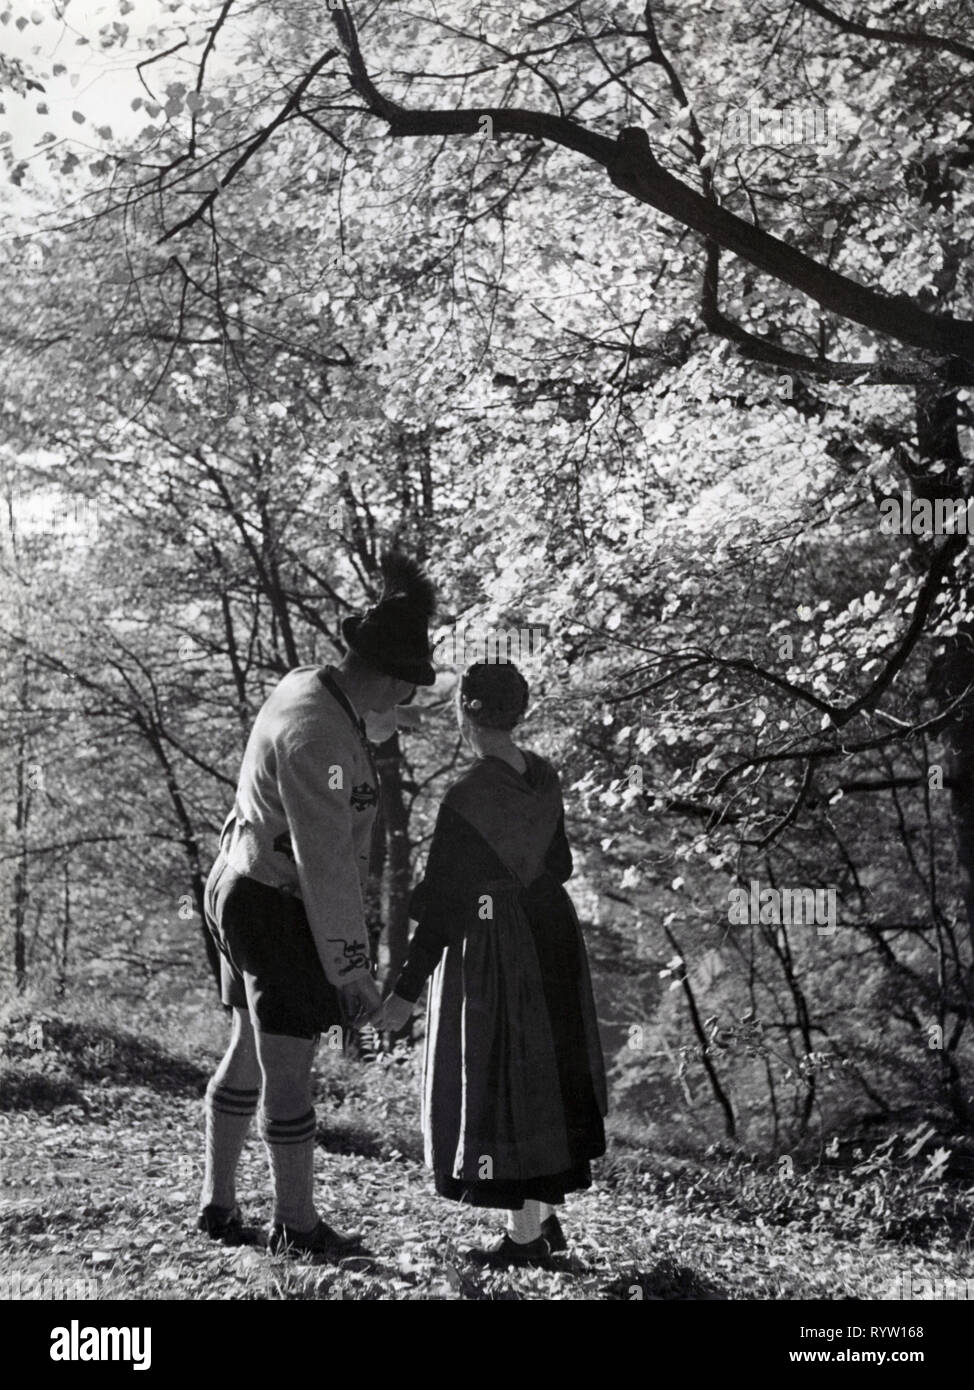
(335, 690)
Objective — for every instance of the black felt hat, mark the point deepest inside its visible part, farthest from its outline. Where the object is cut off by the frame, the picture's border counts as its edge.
(393, 635)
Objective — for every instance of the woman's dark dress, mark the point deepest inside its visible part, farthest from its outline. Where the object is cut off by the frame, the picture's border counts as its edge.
(514, 1081)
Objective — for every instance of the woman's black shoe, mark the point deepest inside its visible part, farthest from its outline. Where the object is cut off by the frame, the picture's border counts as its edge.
(553, 1234)
(506, 1252)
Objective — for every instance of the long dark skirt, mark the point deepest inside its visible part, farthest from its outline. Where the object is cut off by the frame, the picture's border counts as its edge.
(565, 990)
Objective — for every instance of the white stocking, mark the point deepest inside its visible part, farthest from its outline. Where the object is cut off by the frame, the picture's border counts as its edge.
(525, 1225)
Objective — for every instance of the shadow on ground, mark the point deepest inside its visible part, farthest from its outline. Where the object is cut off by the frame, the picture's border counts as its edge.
(668, 1279)
(44, 1062)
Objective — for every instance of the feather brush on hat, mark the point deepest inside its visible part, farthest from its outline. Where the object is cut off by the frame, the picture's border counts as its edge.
(393, 635)
(405, 578)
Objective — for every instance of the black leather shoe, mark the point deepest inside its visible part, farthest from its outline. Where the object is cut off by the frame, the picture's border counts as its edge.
(553, 1234)
(320, 1240)
(222, 1223)
(506, 1252)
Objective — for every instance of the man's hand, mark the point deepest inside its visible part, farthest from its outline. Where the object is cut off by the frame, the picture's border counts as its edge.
(396, 1013)
(361, 1000)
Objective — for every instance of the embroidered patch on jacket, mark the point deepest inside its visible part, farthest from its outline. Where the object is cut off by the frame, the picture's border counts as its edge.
(364, 796)
(354, 952)
(282, 845)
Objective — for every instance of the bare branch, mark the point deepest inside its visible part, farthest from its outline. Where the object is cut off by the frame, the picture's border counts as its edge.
(288, 110)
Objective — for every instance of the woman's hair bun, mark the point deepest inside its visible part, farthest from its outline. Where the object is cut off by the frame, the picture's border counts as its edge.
(493, 694)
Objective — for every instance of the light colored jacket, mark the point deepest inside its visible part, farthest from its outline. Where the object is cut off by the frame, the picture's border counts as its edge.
(304, 812)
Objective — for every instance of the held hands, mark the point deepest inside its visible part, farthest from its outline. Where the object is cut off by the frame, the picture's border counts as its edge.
(363, 1004)
(361, 1001)
(395, 1014)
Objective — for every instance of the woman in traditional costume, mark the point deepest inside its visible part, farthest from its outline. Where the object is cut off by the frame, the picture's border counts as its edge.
(513, 1081)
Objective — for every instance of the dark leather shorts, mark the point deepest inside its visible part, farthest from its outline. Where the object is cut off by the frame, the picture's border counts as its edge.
(268, 961)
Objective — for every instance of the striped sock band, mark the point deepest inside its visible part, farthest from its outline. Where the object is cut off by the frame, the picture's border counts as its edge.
(297, 1131)
(229, 1100)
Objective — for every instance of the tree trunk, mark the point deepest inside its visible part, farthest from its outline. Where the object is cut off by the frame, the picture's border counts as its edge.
(951, 677)
(21, 899)
(720, 1095)
(21, 894)
(62, 981)
(190, 843)
(396, 876)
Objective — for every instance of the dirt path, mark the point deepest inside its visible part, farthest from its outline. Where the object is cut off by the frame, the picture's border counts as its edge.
(100, 1203)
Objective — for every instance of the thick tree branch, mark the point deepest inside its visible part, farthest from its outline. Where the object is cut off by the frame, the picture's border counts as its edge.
(885, 784)
(839, 715)
(826, 753)
(632, 166)
(929, 590)
(636, 170)
(909, 38)
(905, 371)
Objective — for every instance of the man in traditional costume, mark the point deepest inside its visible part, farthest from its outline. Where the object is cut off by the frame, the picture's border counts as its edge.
(284, 903)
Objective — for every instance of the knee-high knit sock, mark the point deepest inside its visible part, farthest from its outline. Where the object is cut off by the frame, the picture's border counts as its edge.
(291, 1150)
(545, 1210)
(228, 1115)
(525, 1225)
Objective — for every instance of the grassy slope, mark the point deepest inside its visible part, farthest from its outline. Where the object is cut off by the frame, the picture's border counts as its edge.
(101, 1136)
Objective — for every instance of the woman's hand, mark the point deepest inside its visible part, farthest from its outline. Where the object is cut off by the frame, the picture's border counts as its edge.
(395, 1014)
